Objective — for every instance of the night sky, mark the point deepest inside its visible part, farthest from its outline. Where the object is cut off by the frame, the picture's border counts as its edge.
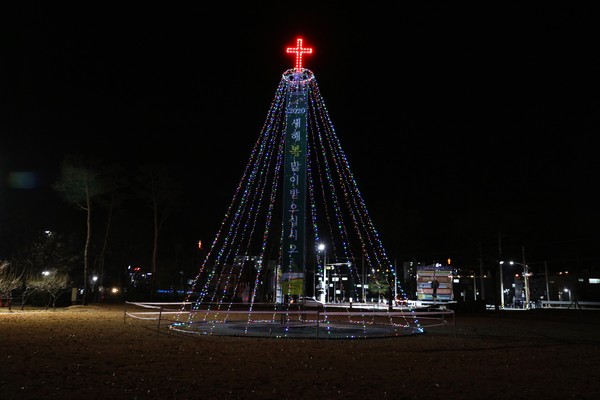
(468, 127)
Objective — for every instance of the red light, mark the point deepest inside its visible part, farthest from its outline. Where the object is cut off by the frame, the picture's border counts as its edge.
(299, 51)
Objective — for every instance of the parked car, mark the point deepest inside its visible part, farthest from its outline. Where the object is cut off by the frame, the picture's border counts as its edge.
(310, 302)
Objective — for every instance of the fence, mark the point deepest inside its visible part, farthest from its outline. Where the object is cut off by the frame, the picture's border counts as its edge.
(589, 305)
(269, 320)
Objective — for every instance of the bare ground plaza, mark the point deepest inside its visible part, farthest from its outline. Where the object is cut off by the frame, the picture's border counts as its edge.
(95, 352)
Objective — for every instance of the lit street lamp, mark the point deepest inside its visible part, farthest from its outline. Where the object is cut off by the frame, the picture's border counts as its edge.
(94, 282)
(322, 292)
(501, 285)
(568, 291)
(525, 281)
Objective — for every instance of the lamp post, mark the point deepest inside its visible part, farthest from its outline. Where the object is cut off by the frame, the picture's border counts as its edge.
(501, 285)
(324, 278)
(525, 282)
(94, 282)
(364, 279)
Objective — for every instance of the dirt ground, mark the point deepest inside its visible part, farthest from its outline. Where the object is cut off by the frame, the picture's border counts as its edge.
(94, 352)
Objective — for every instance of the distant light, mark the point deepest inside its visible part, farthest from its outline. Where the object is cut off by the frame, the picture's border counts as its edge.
(114, 290)
(321, 247)
(22, 180)
(46, 273)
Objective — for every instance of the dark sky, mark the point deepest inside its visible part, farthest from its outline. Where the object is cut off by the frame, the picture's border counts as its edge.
(463, 123)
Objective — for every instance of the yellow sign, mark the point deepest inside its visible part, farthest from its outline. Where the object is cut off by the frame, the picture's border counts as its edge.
(293, 286)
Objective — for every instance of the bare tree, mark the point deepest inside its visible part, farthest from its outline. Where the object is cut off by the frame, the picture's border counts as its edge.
(50, 282)
(49, 251)
(10, 280)
(80, 182)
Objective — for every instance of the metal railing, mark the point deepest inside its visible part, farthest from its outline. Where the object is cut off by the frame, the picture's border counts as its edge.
(167, 314)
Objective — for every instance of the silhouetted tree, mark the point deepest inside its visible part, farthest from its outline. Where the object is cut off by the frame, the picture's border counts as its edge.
(162, 193)
(114, 181)
(80, 182)
(51, 282)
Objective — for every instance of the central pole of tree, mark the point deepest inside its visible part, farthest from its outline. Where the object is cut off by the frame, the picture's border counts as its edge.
(294, 183)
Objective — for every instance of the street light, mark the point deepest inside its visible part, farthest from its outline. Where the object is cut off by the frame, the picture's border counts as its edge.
(501, 285)
(94, 282)
(568, 291)
(322, 294)
(525, 281)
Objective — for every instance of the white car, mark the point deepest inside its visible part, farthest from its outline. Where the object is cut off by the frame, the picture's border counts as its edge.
(310, 302)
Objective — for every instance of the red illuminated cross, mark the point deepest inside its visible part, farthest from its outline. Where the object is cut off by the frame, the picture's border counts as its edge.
(299, 50)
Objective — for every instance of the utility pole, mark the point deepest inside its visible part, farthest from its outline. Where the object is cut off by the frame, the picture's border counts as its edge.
(547, 285)
(481, 285)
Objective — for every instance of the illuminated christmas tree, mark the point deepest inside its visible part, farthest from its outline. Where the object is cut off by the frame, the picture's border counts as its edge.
(297, 225)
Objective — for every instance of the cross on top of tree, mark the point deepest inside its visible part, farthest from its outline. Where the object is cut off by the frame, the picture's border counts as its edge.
(299, 51)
